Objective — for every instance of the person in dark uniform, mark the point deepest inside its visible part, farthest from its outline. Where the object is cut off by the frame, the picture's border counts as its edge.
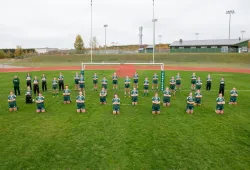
(222, 86)
(209, 82)
(28, 80)
(61, 82)
(36, 85)
(28, 95)
(16, 83)
(44, 83)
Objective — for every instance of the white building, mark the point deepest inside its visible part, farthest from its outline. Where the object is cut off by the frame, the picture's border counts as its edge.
(45, 50)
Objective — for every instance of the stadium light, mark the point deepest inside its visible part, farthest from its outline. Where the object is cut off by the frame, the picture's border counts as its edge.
(154, 21)
(242, 33)
(105, 27)
(91, 39)
(197, 35)
(230, 12)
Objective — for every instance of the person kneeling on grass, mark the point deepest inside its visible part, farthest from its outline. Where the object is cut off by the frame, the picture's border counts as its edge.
(220, 104)
(190, 104)
(198, 97)
(80, 103)
(166, 97)
(40, 103)
(12, 102)
(134, 95)
(28, 96)
(156, 104)
(66, 95)
(233, 97)
(116, 105)
(103, 95)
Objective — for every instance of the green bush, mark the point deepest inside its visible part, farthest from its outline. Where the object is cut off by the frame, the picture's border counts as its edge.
(2, 54)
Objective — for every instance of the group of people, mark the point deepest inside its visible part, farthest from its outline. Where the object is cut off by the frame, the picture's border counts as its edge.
(174, 85)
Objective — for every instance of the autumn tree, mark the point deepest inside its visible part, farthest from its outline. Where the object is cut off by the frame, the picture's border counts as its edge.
(79, 44)
(18, 51)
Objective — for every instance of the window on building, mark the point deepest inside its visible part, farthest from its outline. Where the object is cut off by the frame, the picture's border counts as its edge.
(193, 47)
(181, 47)
(204, 47)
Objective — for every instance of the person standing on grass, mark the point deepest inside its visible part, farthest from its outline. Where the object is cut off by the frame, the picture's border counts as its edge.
(28, 80)
(190, 104)
(136, 80)
(166, 97)
(80, 103)
(115, 82)
(146, 86)
(44, 83)
(198, 84)
(40, 103)
(61, 82)
(116, 105)
(104, 83)
(233, 97)
(95, 81)
(127, 86)
(66, 95)
(16, 83)
(76, 78)
(156, 101)
(155, 82)
(209, 82)
(55, 87)
(222, 86)
(220, 104)
(178, 82)
(28, 96)
(193, 81)
(82, 84)
(198, 97)
(103, 95)
(134, 95)
(36, 85)
(172, 83)
(12, 102)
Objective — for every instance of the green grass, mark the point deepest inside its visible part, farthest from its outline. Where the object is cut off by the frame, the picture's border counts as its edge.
(136, 139)
(235, 60)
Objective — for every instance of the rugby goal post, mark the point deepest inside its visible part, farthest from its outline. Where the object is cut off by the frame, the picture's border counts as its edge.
(160, 66)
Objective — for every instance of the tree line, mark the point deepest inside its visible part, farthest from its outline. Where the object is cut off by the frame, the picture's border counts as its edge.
(15, 53)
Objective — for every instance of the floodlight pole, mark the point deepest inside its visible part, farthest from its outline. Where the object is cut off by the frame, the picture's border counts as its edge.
(91, 41)
(154, 20)
(230, 12)
(105, 27)
(242, 33)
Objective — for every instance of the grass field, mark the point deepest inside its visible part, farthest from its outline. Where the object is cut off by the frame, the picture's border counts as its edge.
(136, 139)
(175, 59)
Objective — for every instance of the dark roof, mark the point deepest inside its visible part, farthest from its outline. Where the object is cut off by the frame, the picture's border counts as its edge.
(208, 42)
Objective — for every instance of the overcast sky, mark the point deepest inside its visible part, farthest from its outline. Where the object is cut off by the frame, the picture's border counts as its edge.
(55, 23)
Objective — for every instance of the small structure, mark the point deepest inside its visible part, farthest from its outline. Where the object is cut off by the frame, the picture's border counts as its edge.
(149, 49)
(210, 46)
